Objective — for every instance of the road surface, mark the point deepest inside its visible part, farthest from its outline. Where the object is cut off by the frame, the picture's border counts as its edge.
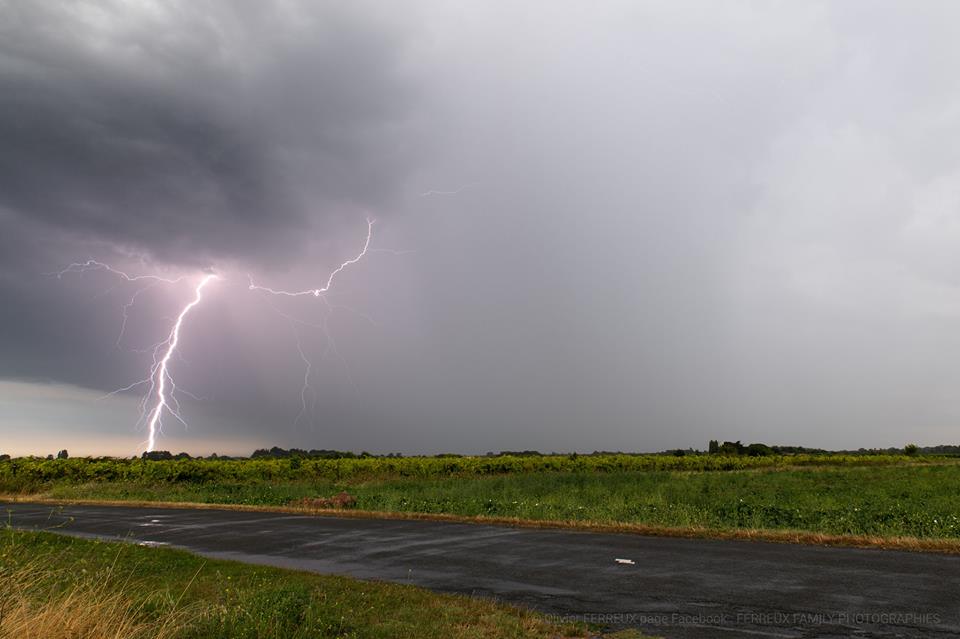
(675, 588)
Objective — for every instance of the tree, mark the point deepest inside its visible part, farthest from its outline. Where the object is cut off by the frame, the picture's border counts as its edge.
(714, 447)
(731, 448)
(63, 454)
(910, 449)
(758, 450)
(157, 455)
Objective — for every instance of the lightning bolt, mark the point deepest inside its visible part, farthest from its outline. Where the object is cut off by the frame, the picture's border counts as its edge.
(317, 292)
(94, 265)
(160, 398)
(455, 192)
(159, 375)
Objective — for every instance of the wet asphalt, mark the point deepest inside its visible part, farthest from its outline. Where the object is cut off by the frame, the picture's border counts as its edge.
(674, 588)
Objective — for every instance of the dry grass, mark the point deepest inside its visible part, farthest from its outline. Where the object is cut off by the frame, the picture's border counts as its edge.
(61, 587)
(41, 601)
(912, 544)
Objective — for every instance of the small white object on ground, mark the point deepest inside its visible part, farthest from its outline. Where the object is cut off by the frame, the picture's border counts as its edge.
(625, 561)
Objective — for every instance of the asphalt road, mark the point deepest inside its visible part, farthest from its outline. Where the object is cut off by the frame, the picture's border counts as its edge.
(674, 588)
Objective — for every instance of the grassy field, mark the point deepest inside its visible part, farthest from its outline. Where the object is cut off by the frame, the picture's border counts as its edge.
(26, 472)
(879, 496)
(56, 587)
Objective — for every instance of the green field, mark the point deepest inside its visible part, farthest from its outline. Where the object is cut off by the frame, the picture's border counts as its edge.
(876, 495)
(57, 587)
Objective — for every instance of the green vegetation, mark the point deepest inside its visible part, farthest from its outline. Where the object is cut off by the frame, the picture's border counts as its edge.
(876, 495)
(27, 473)
(58, 587)
(916, 501)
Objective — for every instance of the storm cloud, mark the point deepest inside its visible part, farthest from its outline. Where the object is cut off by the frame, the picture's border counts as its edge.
(618, 225)
(190, 133)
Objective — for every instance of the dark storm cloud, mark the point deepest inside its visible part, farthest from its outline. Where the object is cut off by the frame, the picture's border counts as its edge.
(196, 131)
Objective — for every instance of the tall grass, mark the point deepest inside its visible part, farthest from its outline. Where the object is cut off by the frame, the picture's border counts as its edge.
(908, 501)
(59, 587)
(43, 599)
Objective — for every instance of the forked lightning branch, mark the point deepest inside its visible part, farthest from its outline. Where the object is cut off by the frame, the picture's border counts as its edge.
(160, 398)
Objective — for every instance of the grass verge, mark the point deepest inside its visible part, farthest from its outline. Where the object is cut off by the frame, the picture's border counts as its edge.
(59, 587)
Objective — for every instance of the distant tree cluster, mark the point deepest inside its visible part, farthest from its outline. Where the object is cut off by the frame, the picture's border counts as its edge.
(759, 450)
(521, 453)
(682, 452)
(756, 449)
(160, 455)
(940, 450)
(279, 453)
(736, 448)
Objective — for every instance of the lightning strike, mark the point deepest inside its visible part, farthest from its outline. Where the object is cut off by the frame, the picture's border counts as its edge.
(317, 292)
(331, 346)
(455, 192)
(160, 398)
(126, 310)
(160, 374)
(94, 265)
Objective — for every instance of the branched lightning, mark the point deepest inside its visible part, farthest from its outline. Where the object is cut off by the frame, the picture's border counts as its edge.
(159, 374)
(454, 192)
(317, 292)
(126, 309)
(307, 367)
(160, 398)
(94, 265)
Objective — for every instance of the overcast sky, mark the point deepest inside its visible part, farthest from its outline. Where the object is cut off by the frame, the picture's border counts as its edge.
(599, 225)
